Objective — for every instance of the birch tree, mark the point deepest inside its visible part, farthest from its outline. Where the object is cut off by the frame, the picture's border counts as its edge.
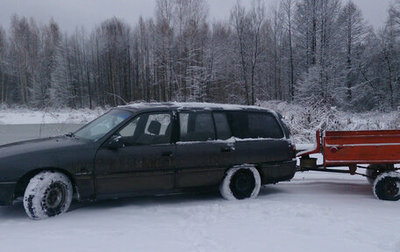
(3, 66)
(353, 30)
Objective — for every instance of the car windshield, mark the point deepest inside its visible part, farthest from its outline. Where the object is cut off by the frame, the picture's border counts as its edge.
(102, 125)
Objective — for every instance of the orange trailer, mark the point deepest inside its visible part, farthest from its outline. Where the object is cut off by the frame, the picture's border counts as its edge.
(376, 151)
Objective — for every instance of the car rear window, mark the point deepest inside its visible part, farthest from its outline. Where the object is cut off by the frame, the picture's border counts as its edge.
(254, 125)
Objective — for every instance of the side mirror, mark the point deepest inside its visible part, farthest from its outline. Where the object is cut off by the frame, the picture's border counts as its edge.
(115, 143)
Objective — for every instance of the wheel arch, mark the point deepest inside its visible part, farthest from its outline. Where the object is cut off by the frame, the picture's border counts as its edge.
(260, 171)
(256, 165)
(23, 181)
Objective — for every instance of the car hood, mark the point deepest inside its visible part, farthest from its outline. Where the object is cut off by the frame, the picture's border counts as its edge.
(50, 145)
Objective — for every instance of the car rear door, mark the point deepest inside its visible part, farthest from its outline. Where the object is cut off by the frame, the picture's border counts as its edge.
(202, 158)
(259, 138)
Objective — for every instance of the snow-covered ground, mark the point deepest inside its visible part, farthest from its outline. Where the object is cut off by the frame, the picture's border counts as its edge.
(62, 116)
(313, 212)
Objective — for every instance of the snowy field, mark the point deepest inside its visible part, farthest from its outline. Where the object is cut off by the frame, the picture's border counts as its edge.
(61, 116)
(313, 212)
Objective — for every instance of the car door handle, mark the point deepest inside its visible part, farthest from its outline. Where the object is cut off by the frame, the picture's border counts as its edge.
(227, 149)
(167, 154)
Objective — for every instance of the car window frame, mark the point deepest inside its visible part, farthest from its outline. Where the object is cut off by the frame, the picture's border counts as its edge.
(215, 124)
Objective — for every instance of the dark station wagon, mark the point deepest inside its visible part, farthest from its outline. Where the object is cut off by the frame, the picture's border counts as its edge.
(150, 148)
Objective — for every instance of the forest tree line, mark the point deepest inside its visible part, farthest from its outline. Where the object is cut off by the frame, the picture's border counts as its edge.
(311, 52)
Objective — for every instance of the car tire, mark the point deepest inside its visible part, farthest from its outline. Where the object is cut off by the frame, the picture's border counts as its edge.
(47, 194)
(241, 182)
(387, 186)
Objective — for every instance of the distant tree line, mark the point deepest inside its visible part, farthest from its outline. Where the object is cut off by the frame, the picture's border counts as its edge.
(313, 52)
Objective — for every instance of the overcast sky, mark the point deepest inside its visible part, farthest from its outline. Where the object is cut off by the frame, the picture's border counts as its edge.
(89, 13)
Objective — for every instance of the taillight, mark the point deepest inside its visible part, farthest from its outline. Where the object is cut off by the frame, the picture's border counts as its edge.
(293, 150)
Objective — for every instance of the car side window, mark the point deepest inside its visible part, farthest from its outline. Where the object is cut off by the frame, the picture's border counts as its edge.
(254, 125)
(222, 126)
(264, 125)
(196, 126)
(146, 129)
(129, 129)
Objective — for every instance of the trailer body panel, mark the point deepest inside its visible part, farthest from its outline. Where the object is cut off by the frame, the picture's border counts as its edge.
(361, 147)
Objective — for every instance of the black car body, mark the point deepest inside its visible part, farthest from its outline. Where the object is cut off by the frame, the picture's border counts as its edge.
(154, 148)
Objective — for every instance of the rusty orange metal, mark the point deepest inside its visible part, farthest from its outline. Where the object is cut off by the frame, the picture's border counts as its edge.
(361, 147)
(349, 148)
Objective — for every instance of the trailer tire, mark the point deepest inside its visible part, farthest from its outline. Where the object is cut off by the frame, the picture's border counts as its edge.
(387, 186)
(47, 194)
(241, 182)
(375, 169)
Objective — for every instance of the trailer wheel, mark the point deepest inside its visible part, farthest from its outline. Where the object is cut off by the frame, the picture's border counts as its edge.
(387, 186)
(375, 169)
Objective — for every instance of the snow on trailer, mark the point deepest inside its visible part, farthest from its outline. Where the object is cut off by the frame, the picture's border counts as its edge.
(376, 151)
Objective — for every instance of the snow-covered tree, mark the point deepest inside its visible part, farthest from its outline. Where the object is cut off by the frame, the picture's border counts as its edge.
(3, 66)
(353, 30)
(60, 91)
(318, 37)
(304, 51)
(248, 27)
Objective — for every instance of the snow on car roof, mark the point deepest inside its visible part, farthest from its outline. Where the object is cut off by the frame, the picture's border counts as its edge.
(191, 105)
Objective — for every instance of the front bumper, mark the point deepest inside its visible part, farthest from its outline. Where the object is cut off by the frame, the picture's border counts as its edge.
(7, 190)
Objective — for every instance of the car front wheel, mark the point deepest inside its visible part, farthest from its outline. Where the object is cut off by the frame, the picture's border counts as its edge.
(47, 194)
(241, 182)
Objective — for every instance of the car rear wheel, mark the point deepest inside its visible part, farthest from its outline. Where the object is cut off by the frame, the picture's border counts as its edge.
(47, 194)
(241, 182)
(387, 186)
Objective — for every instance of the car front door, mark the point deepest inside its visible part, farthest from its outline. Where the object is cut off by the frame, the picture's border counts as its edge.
(144, 162)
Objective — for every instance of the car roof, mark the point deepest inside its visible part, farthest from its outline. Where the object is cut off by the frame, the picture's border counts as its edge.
(144, 106)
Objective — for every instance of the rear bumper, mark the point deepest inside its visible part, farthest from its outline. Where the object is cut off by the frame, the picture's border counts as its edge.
(7, 190)
(274, 173)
